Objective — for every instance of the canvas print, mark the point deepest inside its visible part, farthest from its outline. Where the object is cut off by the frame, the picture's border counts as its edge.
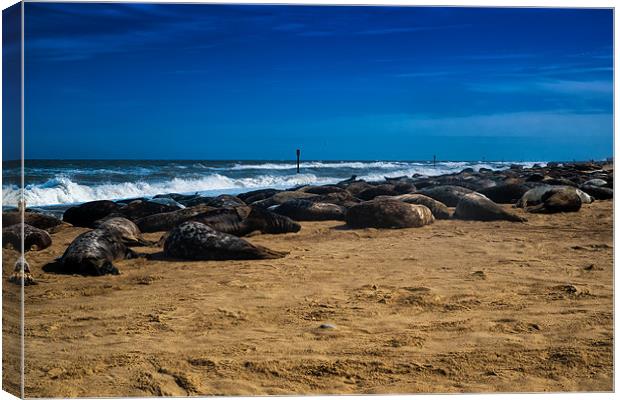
(229, 199)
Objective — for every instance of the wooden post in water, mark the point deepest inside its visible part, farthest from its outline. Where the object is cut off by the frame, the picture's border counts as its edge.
(434, 160)
(298, 153)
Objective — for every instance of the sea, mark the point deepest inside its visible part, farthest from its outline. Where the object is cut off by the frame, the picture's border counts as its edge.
(67, 182)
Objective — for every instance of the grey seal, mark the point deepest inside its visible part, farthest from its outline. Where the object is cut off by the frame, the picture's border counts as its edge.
(307, 210)
(505, 194)
(439, 210)
(554, 201)
(86, 214)
(168, 220)
(38, 220)
(477, 207)
(388, 214)
(127, 230)
(92, 253)
(196, 241)
(34, 238)
(447, 194)
(535, 195)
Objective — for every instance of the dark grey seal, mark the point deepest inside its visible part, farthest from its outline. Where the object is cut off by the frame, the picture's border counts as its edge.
(34, 238)
(321, 190)
(343, 198)
(92, 253)
(447, 194)
(598, 192)
(281, 197)
(142, 208)
(240, 221)
(554, 201)
(196, 241)
(86, 214)
(535, 195)
(168, 220)
(356, 187)
(225, 200)
(257, 195)
(307, 210)
(505, 194)
(388, 214)
(477, 207)
(379, 190)
(38, 220)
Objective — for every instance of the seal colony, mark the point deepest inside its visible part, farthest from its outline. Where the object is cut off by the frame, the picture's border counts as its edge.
(209, 228)
(280, 292)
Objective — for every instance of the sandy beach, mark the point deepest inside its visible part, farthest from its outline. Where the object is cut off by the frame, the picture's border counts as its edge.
(455, 306)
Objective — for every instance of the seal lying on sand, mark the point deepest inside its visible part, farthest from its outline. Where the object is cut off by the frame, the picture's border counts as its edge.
(282, 197)
(196, 241)
(240, 221)
(128, 231)
(379, 190)
(553, 201)
(388, 214)
(447, 194)
(168, 220)
(439, 210)
(225, 200)
(343, 198)
(34, 238)
(535, 195)
(596, 182)
(598, 192)
(257, 195)
(37, 220)
(321, 190)
(477, 207)
(505, 194)
(86, 214)
(140, 209)
(357, 187)
(269, 222)
(92, 253)
(306, 210)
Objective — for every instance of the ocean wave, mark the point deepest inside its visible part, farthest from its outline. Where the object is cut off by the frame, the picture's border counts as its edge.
(445, 166)
(325, 164)
(67, 189)
(63, 190)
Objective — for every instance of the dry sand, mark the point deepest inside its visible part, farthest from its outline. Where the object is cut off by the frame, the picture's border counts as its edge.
(452, 307)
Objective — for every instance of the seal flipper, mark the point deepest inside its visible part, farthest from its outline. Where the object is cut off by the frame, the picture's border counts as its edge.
(108, 268)
(139, 242)
(537, 209)
(266, 253)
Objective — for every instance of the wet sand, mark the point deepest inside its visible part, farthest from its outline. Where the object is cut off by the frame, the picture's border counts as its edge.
(455, 306)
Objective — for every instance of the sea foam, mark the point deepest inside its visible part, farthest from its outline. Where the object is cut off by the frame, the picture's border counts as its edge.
(66, 186)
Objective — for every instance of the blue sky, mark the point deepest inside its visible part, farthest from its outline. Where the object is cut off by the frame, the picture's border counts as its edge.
(257, 82)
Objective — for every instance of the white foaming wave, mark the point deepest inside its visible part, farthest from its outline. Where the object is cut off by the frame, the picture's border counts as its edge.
(62, 190)
(444, 168)
(320, 164)
(450, 166)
